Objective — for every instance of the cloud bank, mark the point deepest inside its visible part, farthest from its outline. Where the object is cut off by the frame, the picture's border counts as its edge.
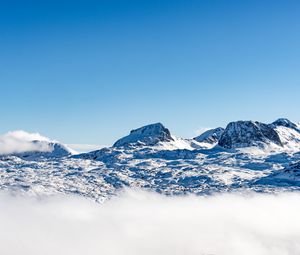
(21, 141)
(138, 223)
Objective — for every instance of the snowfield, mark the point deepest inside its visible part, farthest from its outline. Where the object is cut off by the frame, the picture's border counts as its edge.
(253, 157)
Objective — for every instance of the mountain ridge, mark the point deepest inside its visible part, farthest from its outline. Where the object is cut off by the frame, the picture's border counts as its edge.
(279, 135)
(237, 135)
(165, 164)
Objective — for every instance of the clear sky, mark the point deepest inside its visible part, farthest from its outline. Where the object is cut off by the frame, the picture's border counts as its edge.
(89, 71)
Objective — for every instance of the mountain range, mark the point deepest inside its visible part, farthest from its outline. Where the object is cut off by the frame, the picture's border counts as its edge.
(243, 156)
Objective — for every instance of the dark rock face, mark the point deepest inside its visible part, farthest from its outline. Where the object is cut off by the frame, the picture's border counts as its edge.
(248, 133)
(210, 136)
(285, 123)
(147, 135)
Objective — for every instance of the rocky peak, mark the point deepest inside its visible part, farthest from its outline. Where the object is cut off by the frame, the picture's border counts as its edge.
(210, 136)
(146, 135)
(285, 123)
(248, 133)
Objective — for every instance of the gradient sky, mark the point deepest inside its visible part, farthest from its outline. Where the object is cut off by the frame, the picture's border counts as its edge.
(89, 71)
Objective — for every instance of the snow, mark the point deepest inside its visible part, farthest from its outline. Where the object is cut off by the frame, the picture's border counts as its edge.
(290, 138)
(211, 136)
(248, 133)
(147, 135)
(31, 145)
(151, 158)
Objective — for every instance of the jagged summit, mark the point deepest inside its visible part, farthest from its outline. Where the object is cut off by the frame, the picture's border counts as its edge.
(146, 135)
(248, 133)
(211, 136)
(282, 122)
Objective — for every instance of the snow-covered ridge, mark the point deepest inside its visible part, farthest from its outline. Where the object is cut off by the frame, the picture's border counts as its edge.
(211, 136)
(252, 136)
(285, 123)
(281, 135)
(152, 158)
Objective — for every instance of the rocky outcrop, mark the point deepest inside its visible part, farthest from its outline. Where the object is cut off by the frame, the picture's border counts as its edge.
(211, 136)
(248, 133)
(285, 123)
(147, 135)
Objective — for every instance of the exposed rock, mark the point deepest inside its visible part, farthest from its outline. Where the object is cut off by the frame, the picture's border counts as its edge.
(248, 133)
(147, 135)
(285, 123)
(210, 136)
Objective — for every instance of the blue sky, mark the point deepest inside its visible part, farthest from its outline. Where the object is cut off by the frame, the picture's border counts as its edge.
(89, 71)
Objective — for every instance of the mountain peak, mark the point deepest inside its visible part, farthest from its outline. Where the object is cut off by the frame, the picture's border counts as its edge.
(147, 135)
(248, 133)
(285, 123)
(210, 136)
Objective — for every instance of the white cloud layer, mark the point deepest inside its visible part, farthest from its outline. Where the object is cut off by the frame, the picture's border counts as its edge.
(138, 223)
(21, 141)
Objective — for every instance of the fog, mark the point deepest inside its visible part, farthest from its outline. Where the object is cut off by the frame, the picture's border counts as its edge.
(21, 141)
(140, 223)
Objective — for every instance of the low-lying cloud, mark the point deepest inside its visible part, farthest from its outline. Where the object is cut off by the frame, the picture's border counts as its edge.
(21, 141)
(136, 223)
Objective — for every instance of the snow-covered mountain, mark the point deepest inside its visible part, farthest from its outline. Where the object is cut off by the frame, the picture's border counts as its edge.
(146, 136)
(155, 136)
(242, 134)
(31, 146)
(50, 150)
(285, 123)
(280, 135)
(246, 155)
(289, 133)
(211, 136)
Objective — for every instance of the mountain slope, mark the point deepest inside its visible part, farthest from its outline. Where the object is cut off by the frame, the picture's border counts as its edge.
(211, 136)
(242, 134)
(285, 123)
(289, 176)
(289, 134)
